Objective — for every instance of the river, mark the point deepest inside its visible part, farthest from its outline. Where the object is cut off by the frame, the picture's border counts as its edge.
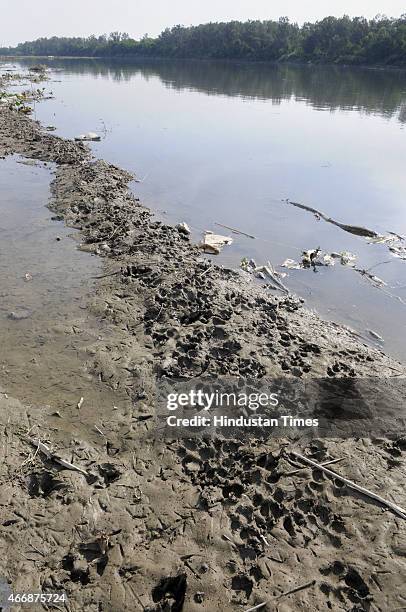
(215, 142)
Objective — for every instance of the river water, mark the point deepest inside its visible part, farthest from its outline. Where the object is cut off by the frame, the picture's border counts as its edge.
(227, 143)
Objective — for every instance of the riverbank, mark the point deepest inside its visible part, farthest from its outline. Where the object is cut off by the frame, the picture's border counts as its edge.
(153, 525)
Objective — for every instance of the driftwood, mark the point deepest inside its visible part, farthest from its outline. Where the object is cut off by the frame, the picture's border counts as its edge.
(352, 229)
(269, 271)
(236, 231)
(48, 453)
(352, 485)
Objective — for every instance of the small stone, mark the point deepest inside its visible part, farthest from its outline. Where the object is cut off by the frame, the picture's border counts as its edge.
(183, 228)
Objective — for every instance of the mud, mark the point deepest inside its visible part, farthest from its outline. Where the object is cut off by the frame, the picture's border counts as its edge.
(187, 524)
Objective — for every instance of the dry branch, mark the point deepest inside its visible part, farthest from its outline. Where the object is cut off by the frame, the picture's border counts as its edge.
(395, 508)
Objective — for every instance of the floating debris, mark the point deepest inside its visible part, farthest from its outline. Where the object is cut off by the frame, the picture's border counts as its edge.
(264, 272)
(346, 258)
(395, 242)
(310, 257)
(90, 136)
(375, 335)
(291, 264)
(316, 257)
(375, 280)
(213, 243)
(398, 251)
(352, 229)
(236, 231)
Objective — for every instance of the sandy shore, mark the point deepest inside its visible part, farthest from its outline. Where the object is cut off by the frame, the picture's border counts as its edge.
(198, 524)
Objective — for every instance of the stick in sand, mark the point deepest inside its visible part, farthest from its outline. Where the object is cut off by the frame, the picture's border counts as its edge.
(396, 509)
(304, 468)
(47, 452)
(294, 590)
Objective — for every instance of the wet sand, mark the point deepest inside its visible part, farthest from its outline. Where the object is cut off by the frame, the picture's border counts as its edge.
(198, 524)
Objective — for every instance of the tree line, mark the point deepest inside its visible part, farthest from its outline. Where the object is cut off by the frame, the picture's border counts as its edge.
(345, 40)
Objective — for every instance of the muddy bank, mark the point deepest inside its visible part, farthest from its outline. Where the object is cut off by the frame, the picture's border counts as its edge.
(189, 524)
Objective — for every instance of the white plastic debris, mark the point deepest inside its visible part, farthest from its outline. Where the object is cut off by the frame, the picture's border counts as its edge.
(346, 258)
(213, 243)
(291, 264)
(89, 136)
(264, 272)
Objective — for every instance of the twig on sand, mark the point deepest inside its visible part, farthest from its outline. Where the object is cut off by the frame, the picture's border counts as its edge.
(294, 590)
(106, 275)
(205, 271)
(305, 468)
(236, 231)
(37, 550)
(225, 537)
(395, 508)
(99, 430)
(48, 453)
(188, 565)
(30, 458)
(258, 607)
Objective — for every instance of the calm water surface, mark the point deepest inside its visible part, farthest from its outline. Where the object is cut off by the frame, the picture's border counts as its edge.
(226, 143)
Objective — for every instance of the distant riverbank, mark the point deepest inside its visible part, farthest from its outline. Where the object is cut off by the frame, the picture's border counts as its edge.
(357, 41)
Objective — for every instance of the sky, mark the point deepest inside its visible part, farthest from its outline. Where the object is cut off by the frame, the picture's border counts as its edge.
(23, 20)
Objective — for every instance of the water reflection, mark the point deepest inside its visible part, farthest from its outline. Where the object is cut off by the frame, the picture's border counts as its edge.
(381, 92)
(226, 142)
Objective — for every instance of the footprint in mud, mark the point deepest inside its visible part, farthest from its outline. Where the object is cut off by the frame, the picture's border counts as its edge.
(89, 562)
(242, 585)
(42, 484)
(340, 368)
(346, 584)
(169, 594)
(250, 487)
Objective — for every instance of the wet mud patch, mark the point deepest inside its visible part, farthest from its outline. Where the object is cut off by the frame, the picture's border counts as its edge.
(45, 283)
